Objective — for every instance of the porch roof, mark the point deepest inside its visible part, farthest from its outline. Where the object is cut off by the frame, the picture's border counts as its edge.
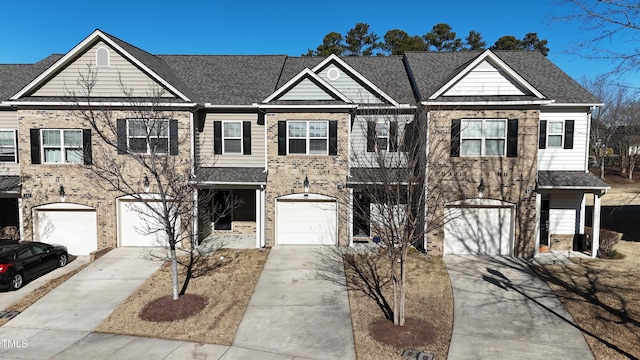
(570, 180)
(9, 184)
(231, 175)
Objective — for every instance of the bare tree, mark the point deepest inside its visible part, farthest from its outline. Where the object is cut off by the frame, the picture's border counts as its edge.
(603, 23)
(627, 139)
(388, 175)
(606, 120)
(153, 167)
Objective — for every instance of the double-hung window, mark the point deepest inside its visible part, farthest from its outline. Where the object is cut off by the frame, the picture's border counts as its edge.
(8, 151)
(232, 137)
(483, 137)
(382, 135)
(62, 146)
(555, 132)
(308, 137)
(148, 136)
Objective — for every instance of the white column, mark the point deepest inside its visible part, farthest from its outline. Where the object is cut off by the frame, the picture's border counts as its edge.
(194, 221)
(595, 238)
(350, 217)
(536, 250)
(21, 219)
(259, 218)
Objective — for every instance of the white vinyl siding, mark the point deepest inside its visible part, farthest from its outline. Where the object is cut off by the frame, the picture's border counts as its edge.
(559, 158)
(359, 155)
(565, 216)
(484, 79)
(205, 154)
(306, 90)
(346, 85)
(9, 121)
(107, 82)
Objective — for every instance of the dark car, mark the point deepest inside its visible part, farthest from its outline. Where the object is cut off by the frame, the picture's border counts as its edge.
(26, 260)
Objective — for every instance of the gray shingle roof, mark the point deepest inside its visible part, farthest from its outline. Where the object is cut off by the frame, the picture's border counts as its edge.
(14, 77)
(432, 70)
(9, 184)
(567, 180)
(231, 175)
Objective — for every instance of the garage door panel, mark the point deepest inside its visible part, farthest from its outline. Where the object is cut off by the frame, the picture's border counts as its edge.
(480, 231)
(138, 226)
(306, 223)
(77, 230)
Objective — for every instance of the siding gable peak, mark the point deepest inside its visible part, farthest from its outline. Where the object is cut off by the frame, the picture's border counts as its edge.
(307, 86)
(487, 75)
(355, 85)
(144, 65)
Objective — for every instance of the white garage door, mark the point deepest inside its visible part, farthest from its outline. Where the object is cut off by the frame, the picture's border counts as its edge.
(137, 226)
(75, 229)
(306, 223)
(478, 231)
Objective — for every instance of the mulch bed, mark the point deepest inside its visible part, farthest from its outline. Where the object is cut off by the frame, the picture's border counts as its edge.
(167, 309)
(415, 333)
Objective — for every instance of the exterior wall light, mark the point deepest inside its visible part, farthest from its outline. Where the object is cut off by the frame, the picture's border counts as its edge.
(61, 193)
(306, 184)
(481, 188)
(145, 183)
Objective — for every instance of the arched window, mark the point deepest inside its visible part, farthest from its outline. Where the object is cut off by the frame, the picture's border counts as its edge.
(102, 57)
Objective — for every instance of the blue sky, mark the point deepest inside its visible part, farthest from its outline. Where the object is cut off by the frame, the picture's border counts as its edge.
(33, 30)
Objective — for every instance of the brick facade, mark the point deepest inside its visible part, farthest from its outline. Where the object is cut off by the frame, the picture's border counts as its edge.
(327, 174)
(509, 179)
(41, 182)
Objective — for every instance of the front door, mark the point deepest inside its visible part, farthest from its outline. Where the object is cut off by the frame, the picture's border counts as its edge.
(544, 223)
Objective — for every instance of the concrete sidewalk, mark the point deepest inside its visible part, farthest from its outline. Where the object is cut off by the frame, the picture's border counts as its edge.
(300, 306)
(502, 310)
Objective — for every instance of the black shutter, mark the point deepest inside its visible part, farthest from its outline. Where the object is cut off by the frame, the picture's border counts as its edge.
(393, 136)
(121, 132)
(333, 137)
(455, 138)
(568, 134)
(542, 135)
(261, 118)
(173, 137)
(512, 138)
(246, 137)
(217, 137)
(34, 134)
(16, 147)
(282, 138)
(86, 147)
(371, 136)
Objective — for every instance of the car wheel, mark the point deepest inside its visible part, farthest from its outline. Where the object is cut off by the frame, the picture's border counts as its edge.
(16, 281)
(62, 260)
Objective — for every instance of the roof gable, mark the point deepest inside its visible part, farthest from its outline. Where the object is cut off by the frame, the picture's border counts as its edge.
(125, 76)
(307, 86)
(486, 75)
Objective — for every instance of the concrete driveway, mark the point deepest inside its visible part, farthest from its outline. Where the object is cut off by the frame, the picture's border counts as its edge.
(7, 298)
(300, 308)
(502, 310)
(75, 308)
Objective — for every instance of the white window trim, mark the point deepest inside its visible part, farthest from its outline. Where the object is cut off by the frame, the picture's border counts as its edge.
(15, 146)
(62, 147)
(224, 147)
(561, 134)
(148, 137)
(308, 138)
(108, 64)
(483, 139)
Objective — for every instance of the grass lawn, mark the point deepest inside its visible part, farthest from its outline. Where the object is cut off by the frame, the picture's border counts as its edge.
(603, 297)
(227, 290)
(429, 309)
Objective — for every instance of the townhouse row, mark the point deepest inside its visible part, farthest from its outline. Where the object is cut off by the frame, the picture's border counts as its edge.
(295, 139)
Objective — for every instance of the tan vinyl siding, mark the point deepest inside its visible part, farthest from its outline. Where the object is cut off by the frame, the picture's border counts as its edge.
(306, 90)
(348, 86)
(9, 121)
(484, 79)
(558, 158)
(207, 158)
(359, 155)
(108, 77)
